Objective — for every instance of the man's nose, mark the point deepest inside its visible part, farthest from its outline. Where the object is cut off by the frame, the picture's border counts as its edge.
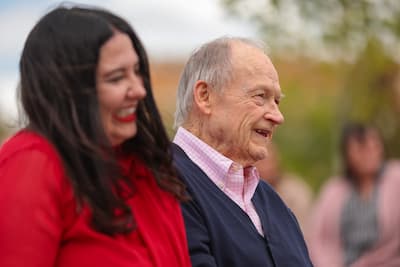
(275, 115)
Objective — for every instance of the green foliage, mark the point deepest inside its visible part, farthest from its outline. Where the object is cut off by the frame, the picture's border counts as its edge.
(369, 94)
(306, 137)
(363, 83)
(344, 25)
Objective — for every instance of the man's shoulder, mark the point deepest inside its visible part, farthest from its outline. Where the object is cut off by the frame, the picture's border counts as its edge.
(177, 152)
(181, 161)
(265, 188)
(265, 193)
(187, 170)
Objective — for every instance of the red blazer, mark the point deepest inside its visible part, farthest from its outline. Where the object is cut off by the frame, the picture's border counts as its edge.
(41, 226)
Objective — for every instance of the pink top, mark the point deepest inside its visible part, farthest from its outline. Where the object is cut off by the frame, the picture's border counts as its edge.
(324, 236)
(238, 183)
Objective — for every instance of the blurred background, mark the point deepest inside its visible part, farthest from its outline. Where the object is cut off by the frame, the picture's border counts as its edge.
(338, 60)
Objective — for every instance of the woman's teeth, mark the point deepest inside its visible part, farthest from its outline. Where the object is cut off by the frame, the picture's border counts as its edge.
(126, 111)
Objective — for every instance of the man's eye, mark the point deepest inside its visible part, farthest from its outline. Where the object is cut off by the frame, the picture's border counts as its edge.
(259, 99)
(262, 96)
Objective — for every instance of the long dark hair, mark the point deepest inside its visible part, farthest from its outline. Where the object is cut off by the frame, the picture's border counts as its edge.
(353, 131)
(58, 94)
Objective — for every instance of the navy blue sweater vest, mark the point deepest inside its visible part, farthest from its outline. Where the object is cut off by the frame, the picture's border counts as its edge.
(221, 234)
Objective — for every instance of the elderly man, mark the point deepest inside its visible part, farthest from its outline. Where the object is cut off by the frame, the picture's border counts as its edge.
(227, 111)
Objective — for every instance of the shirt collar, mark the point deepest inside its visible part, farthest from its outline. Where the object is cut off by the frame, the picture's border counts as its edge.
(225, 173)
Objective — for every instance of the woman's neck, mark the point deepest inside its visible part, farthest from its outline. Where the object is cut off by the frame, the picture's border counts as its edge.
(365, 186)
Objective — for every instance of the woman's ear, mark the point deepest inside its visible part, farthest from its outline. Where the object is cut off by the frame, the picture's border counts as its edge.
(202, 96)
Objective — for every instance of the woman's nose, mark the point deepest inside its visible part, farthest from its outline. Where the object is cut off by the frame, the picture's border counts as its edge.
(136, 87)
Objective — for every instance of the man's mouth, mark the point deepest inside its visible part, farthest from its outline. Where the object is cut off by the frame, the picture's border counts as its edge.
(264, 133)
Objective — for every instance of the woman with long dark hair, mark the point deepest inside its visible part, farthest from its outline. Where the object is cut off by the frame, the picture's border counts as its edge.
(88, 181)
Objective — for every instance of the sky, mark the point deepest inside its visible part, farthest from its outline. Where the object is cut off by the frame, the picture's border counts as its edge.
(169, 29)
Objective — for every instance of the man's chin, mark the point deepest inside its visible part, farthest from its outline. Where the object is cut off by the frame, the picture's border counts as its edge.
(260, 154)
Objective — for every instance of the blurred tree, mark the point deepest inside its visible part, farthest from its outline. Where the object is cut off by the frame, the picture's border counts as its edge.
(3, 130)
(362, 37)
(7, 126)
(369, 93)
(344, 27)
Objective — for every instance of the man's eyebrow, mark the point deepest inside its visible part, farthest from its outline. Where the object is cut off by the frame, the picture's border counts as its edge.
(263, 88)
(257, 88)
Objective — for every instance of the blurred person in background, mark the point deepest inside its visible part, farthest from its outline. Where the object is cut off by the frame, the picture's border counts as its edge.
(89, 181)
(356, 221)
(227, 111)
(293, 190)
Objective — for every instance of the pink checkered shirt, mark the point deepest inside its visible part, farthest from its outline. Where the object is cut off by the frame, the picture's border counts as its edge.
(238, 183)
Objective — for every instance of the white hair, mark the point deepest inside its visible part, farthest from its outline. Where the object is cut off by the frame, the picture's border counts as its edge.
(210, 63)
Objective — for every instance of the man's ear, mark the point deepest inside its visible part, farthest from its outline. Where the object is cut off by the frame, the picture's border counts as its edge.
(202, 96)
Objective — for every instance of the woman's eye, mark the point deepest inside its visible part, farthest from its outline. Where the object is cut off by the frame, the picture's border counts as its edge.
(115, 79)
(137, 71)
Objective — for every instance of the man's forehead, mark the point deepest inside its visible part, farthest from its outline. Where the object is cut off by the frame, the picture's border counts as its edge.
(241, 50)
(252, 60)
